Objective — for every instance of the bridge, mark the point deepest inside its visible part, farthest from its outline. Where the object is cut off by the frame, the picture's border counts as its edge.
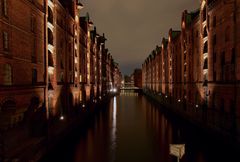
(130, 88)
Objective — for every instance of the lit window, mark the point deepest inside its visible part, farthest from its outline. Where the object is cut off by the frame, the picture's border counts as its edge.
(5, 41)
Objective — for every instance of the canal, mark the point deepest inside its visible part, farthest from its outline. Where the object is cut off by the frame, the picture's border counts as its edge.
(131, 128)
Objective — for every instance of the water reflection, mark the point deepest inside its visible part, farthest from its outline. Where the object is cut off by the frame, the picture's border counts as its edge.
(128, 93)
(133, 129)
(114, 129)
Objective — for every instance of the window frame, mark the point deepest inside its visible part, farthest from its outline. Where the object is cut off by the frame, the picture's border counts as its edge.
(5, 8)
(5, 41)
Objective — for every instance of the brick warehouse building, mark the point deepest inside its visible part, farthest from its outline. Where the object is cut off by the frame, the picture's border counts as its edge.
(137, 75)
(51, 60)
(53, 66)
(22, 65)
(200, 66)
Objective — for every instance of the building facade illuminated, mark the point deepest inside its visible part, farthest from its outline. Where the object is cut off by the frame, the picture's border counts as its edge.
(52, 60)
(199, 65)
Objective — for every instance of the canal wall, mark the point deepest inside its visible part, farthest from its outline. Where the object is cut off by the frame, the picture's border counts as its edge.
(21, 144)
(222, 127)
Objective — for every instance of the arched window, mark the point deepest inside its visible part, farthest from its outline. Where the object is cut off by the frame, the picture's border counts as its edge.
(50, 15)
(6, 74)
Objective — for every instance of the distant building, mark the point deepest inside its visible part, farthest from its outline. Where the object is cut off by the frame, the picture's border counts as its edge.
(137, 76)
(128, 81)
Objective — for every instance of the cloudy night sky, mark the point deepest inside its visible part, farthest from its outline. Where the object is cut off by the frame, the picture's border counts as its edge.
(133, 28)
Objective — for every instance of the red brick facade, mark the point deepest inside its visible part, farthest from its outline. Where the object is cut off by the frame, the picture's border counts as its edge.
(200, 63)
(21, 59)
(51, 60)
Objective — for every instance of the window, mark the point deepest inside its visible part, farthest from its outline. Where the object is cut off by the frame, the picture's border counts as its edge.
(205, 48)
(227, 32)
(76, 53)
(33, 23)
(205, 32)
(62, 77)
(50, 15)
(233, 56)
(223, 59)
(214, 21)
(70, 63)
(7, 74)
(34, 58)
(222, 65)
(50, 59)
(61, 64)
(34, 76)
(214, 39)
(205, 66)
(5, 41)
(50, 37)
(4, 8)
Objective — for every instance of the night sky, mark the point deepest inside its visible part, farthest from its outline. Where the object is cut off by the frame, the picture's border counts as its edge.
(133, 28)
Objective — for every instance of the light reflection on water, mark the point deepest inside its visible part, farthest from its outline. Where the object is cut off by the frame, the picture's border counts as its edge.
(114, 129)
(133, 129)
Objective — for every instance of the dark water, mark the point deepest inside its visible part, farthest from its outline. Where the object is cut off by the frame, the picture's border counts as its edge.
(133, 129)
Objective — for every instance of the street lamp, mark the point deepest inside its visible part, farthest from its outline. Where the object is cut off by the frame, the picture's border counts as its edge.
(62, 117)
